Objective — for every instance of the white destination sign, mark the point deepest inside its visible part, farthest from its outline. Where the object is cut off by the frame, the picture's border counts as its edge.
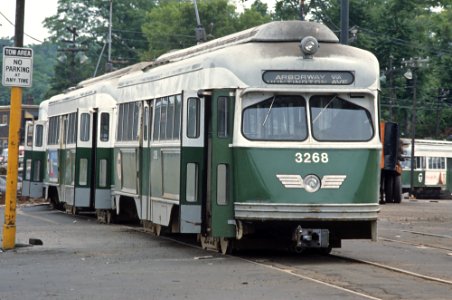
(17, 66)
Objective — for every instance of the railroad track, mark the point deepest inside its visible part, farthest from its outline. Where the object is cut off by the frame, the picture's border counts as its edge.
(333, 279)
(323, 270)
(352, 278)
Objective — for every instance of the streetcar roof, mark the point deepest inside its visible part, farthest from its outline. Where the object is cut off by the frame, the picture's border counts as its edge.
(101, 93)
(278, 31)
(238, 60)
(430, 148)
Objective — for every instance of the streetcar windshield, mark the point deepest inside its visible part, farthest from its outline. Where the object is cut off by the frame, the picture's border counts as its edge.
(335, 119)
(276, 118)
(283, 118)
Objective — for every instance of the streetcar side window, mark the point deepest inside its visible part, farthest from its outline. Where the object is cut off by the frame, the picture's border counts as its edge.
(156, 126)
(83, 175)
(28, 169)
(104, 127)
(120, 130)
(192, 183)
(135, 113)
(222, 126)
(335, 119)
(54, 131)
(103, 173)
(177, 115)
(38, 135)
(222, 184)
(71, 136)
(193, 111)
(29, 135)
(146, 123)
(167, 118)
(128, 121)
(279, 118)
(84, 127)
(163, 118)
(170, 118)
(37, 170)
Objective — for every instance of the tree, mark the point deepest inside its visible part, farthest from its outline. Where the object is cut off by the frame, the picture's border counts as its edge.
(81, 28)
(43, 73)
(171, 24)
(396, 29)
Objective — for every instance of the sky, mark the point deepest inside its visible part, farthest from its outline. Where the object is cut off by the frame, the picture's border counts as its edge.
(37, 10)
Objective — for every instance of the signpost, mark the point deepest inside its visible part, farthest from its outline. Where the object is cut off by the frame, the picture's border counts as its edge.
(17, 73)
(17, 70)
(17, 66)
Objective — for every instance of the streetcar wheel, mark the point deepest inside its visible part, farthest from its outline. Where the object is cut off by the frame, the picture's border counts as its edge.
(389, 188)
(397, 189)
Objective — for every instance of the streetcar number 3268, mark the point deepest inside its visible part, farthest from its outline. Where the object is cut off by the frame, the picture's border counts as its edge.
(308, 158)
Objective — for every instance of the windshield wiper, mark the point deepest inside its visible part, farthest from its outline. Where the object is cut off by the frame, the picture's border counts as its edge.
(268, 112)
(323, 109)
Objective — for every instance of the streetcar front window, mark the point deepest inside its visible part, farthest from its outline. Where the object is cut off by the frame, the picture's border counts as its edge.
(335, 119)
(279, 118)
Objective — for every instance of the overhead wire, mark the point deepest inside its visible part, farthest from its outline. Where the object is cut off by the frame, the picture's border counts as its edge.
(31, 37)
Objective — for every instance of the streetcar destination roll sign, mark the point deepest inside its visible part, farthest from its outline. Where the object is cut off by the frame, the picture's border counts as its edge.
(17, 66)
(309, 77)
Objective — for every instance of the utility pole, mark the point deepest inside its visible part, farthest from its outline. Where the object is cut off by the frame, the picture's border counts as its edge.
(413, 64)
(9, 226)
(109, 66)
(391, 91)
(344, 22)
(74, 50)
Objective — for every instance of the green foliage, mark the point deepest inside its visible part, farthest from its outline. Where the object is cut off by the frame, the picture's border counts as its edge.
(43, 74)
(145, 29)
(171, 25)
(90, 19)
(394, 30)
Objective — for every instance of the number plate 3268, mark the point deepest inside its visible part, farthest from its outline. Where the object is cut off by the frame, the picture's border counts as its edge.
(309, 158)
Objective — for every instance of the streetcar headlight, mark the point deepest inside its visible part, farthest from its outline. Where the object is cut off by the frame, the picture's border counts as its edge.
(309, 46)
(311, 183)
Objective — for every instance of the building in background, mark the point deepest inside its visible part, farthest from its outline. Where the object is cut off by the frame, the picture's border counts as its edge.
(29, 112)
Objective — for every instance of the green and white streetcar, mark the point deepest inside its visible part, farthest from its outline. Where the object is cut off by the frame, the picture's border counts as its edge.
(272, 132)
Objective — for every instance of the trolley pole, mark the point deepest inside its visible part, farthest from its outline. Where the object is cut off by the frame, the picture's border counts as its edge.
(9, 226)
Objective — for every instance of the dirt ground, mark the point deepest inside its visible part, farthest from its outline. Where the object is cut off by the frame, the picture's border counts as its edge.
(23, 200)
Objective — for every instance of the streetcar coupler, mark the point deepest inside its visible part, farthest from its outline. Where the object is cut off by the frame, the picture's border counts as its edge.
(311, 238)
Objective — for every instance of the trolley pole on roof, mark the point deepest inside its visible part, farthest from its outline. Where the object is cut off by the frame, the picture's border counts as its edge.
(199, 30)
(302, 10)
(9, 227)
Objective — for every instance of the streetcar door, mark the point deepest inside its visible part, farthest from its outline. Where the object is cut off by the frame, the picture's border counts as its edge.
(36, 172)
(27, 163)
(219, 159)
(146, 208)
(103, 158)
(85, 158)
(192, 163)
(27, 159)
(66, 165)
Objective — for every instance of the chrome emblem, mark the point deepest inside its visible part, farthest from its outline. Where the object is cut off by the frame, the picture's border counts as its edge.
(311, 183)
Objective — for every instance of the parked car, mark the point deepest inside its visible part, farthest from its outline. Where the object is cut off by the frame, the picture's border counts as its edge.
(3, 184)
